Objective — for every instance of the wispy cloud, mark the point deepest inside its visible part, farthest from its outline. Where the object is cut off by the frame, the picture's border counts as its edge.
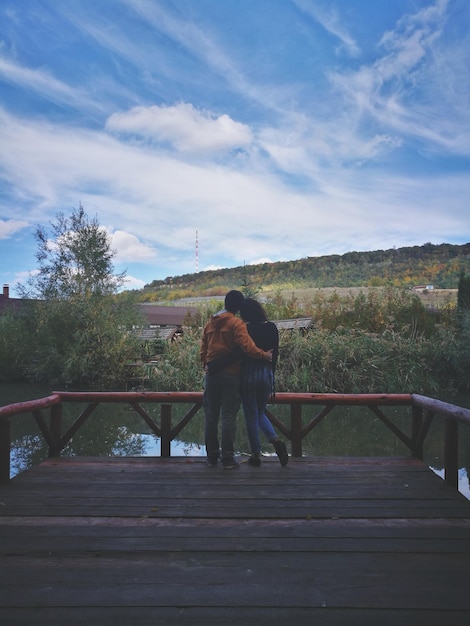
(330, 20)
(11, 227)
(206, 48)
(44, 84)
(402, 90)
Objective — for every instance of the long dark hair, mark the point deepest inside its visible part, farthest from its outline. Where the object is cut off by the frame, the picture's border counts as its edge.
(252, 311)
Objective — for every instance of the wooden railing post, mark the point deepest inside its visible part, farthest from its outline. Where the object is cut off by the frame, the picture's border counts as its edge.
(296, 429)
(5, 445)
(56, 428)
(451, 452)
(416, 425)
(165, 440)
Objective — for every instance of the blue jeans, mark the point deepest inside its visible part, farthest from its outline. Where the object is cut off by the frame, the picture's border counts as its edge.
(221, 400)
(256, 387)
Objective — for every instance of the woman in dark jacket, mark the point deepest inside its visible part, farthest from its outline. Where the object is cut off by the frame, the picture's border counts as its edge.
(257, 381)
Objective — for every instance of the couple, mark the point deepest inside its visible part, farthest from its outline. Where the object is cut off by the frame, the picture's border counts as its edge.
(239, 356)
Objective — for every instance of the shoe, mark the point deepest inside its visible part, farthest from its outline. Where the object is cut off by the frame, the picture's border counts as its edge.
(211, 462)
(230, 463)
(255, 461)
(281, 452)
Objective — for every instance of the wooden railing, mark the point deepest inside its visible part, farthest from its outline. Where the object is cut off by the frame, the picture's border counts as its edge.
(423, 411)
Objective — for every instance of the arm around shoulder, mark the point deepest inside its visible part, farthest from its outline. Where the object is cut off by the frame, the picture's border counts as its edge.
(246, 343)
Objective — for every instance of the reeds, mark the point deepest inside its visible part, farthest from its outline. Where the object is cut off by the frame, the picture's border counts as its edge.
(382, 342)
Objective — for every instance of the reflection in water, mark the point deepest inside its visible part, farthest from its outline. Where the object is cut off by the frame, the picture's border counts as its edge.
(150, 446)
(178, 448)
(464, 486)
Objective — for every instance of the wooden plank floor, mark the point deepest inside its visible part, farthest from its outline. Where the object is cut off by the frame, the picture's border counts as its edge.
(330, 541)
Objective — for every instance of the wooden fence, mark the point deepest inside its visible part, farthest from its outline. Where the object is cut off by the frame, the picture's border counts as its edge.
(423, 411)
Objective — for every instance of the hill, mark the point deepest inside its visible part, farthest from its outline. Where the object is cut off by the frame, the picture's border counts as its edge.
(437, 265)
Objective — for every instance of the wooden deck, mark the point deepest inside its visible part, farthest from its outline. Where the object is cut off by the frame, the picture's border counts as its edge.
(323, 541)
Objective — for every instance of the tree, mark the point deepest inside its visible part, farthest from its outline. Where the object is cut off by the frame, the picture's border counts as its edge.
(75, 331)
(248, 288)
(76, 261)
(463, 296)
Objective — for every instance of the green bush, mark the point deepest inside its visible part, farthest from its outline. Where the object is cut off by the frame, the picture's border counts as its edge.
(80, 342)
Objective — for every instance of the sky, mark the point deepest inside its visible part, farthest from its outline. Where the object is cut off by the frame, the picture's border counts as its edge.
(216, 133)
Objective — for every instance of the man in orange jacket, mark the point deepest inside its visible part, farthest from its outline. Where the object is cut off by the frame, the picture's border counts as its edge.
(223, 334)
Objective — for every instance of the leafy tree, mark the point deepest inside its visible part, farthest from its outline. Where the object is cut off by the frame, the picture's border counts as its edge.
(75, 331)
(76, 261)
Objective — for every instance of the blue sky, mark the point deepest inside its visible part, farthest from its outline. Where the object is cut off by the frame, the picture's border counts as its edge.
(274, 129)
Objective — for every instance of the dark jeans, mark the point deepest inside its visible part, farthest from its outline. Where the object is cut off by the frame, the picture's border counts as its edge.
(256, 388)
(221, 400)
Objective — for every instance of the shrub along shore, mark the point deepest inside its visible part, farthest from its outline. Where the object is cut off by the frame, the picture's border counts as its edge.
(379, 341)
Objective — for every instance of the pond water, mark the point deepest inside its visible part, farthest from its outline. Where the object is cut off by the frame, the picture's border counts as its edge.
(118, 430)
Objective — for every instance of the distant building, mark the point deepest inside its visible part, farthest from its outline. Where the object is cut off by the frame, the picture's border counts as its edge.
(7, 303)
(423, 288)
(161, 322)
(164, 322)
(301, 323)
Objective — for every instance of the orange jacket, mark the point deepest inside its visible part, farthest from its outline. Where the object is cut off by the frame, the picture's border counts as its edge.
(220, 335)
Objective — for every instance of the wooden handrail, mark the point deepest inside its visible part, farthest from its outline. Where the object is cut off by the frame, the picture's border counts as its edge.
(423, 411)
(444, 408)
(349, 399)
(159, 397)
(27, 407)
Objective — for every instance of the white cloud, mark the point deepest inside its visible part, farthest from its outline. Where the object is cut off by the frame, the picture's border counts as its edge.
(130, 249)
(259, 261)
(184, 127)
(10, 227)
(131, 282)
(209, 268)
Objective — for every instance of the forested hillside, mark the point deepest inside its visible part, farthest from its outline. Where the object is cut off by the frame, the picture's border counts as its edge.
(438, 265)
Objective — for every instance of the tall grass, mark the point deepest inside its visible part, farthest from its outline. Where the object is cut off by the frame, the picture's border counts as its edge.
(179, 367)
(354, 361)
(383, 342)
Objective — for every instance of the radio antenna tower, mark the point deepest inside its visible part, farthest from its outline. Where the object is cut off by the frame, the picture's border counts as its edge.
(197, 254)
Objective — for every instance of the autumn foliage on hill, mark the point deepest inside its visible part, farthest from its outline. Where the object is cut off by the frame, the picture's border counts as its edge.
(437, 265)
